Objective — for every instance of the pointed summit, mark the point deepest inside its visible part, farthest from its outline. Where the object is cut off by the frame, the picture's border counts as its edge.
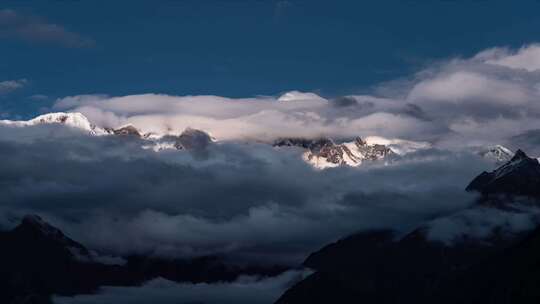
(34, 228)
(519, 156)
(518, 177)
(36, 222)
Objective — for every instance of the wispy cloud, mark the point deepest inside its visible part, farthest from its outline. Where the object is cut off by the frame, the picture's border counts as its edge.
(9, 86)
(34, 29)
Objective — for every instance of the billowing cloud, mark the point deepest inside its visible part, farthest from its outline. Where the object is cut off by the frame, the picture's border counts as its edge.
(33, 29)
(248, 201)
(263, 119)
(527, 57)
(458, 102)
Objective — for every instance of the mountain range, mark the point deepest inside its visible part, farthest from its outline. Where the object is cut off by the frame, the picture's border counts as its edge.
(321, 153)
(37, 260)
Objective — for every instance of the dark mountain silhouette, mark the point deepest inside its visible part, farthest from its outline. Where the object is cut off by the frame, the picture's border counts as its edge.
(375, 267)
(38, 260)
(508, 277)
(381, 267)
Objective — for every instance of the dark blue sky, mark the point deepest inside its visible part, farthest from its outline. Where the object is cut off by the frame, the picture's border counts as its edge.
(242, 48)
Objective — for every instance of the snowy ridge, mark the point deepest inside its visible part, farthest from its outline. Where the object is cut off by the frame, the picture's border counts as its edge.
(348, 153)
(325, 153)
(321, 153)
(187, 140)
(74, 120)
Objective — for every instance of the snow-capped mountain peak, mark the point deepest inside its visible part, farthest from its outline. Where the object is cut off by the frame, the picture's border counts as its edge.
(189, 139)
(320, 152)
(74, 120)
(331, 154)
(325, 153)
(498, 154)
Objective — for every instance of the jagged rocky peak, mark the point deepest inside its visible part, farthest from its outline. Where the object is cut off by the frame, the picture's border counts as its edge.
(35, 226)
(331, 154)
(193, 139)
(498, 154)
(189, 139)
(374, 151)
(518, 177)
(324, 152)
(127, 130)
(311, 144)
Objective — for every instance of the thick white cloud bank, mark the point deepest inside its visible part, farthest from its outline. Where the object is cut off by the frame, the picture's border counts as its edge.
(263, 118)
(463, 100)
